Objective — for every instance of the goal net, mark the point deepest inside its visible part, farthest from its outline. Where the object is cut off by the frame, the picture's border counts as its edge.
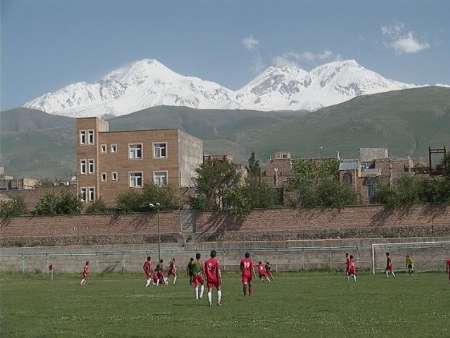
(427, 256)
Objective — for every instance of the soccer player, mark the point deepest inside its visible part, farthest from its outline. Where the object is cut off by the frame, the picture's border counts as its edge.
(247, 273)
(160, 273)
(213, 277)
(262, 273)
(268, 268)
(347, 265)
(197, 276)
(189, 270)
(172, 271)
(409, 261)
(351, 269)
(148, 271)
(448, 269)
(389, 266)
(84, 274)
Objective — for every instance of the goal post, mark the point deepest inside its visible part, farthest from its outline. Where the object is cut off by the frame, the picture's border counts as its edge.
(428, 256)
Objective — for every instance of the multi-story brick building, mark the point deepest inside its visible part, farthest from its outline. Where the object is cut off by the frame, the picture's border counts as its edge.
(109, 162)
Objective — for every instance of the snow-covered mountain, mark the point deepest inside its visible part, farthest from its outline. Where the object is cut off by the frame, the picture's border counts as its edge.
(147, 83)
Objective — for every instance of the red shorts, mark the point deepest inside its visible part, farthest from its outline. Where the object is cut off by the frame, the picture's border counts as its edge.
(172, 273)
(212, 284)
(246, 279)
(389, 268)
(351, 272)
(197, 280)
(262, 274)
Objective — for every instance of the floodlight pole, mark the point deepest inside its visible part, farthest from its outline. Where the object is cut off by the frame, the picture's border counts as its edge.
(156, 206)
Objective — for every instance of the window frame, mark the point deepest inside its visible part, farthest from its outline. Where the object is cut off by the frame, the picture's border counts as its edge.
(105, 179)
(89, 190)
(167, 177)
(154, 144)
(142, 151)
(115, 146)
(83, 136)
(116, 174)
(83, 194)
(103, 148)
(142, 179)
(89, 166)
(85, 171)
(90, 132)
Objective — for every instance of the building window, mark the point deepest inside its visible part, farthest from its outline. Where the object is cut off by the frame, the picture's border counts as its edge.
(160, 178)
(159, 150)
(103, 148)
(114, 176)
(83, 194)
(91, 138)
(82, 136)
(91, 194)
(114, 148)
(91, 166)
(135, 151)
(104, 177)
(83, 166)
(136, 179)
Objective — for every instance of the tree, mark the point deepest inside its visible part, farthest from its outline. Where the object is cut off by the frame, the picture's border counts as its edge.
(139, 201)
(63, 203)
(317, 184)
(13, 207)
(326, 193)
(214, 180)
(97, 207)
(253, 169)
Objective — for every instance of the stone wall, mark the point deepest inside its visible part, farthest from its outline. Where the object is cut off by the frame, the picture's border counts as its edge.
(276, 224)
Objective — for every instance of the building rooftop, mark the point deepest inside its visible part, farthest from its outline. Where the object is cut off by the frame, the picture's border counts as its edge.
(350, 164)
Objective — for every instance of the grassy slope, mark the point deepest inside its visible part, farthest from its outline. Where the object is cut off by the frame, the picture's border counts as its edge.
(404, 121)
(294, 305)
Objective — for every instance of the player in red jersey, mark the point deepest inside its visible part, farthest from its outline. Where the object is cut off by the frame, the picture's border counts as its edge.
(448, 269)
(148, 271)
(84, 274)
(213, 277)
(196, 271)
(158, 276)
(172, 270)
(347, 265)
(351, 271)
(389, 266)
(262, 273)
(247, 273)
(268, 268)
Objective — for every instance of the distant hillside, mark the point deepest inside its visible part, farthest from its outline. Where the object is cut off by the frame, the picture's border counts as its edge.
(406, 122)
(38, 144)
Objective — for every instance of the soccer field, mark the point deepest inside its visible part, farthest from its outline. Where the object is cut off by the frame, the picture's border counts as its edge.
(309, 304)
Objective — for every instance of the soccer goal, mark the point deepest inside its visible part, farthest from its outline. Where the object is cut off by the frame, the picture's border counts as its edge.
(427, 256)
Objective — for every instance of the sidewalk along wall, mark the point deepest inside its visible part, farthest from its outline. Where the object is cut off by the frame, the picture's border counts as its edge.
(328, 255)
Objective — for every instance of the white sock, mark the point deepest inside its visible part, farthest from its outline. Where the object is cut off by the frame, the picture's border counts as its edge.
(157, 282)
(210, 297)
(202, 289)
(393, 274)
(148, 282)
(174, 280)
(219, 296)
(82, 282)
(387, 274)
(196, 292)
(354, 278)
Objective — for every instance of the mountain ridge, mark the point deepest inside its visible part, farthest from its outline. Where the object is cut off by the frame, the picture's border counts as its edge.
(147, 83)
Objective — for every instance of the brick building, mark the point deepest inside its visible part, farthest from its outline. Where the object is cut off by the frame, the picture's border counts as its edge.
(109, 162)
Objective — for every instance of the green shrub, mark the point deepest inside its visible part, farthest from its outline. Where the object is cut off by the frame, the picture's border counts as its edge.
(12, 208)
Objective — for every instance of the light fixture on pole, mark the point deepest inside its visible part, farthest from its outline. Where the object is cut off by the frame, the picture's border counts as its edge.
(156, 206)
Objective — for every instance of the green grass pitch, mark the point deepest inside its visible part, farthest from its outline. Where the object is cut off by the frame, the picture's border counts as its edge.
(309, 304)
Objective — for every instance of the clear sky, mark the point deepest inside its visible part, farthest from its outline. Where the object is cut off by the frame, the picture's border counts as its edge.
(46, 44)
